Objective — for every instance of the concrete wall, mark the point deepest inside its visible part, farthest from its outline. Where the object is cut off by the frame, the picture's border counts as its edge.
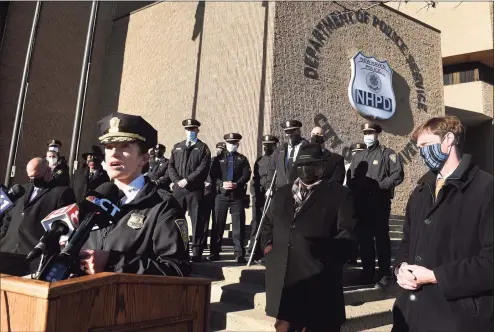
(467, 26)
(471, 96)
(325, 100)
(205, 61)
(479, 143)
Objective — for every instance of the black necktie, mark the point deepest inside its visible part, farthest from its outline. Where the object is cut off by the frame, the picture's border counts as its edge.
(291, 157)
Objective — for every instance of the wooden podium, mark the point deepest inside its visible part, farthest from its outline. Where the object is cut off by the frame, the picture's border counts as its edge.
(105, 302)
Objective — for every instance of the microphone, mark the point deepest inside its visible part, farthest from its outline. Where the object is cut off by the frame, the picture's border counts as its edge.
(5, 201)
(49, 242)
(98, 208)
(68, 214)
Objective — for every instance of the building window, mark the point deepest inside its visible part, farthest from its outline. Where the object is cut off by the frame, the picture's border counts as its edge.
(467, 72)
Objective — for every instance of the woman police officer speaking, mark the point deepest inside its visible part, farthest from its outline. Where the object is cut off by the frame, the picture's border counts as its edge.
(150, 236)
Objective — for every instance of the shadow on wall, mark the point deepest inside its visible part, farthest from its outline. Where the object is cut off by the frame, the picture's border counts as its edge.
(402, 123)
(115, 65)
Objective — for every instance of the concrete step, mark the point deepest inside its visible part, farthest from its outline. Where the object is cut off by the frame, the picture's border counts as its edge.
(254, 296)
(229, 317)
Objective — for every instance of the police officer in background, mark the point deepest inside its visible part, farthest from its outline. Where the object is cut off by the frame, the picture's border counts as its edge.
(258, 189)
(333, 162)
(151, 235)
(231, 173)
(91, 174)
(58, 165)
(285, 154)
(158, 171)
(355, 148)
(188, 169)
(375, 172)
(207, 204)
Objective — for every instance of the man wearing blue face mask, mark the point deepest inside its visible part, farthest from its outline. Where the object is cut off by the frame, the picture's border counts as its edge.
(188, 169)
(445, 259)
(374, 174)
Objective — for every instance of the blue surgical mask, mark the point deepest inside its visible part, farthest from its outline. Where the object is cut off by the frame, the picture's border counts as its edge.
(191, 135)
(433, 156)
(369, 140)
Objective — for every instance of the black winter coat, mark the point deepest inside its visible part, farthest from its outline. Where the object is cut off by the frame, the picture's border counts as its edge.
(453, 237)
(259, 183)
(150, 237)
(158, 171)
(81, 183)
(22, 229)
(285, 174)
(191, 163)
(242, 174)
(304, 268)
(61, 174)
(334, 167)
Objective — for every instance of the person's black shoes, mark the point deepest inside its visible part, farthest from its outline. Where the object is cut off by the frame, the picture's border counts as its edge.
(240, 260)
(213, 257)
(196, 259)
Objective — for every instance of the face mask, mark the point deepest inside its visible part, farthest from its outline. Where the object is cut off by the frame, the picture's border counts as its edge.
(268, 149)
(231, 147)
(39, 182)
(52, 161)
(433, 156)
(308, 174)
(369, 140)
(191, 135)
(317, 139)
(294, 139)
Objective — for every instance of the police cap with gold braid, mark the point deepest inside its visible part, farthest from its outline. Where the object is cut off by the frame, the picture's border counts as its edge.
(358, 147)
(232, 137)
(120, 127)
(291, 124)
(371, 127)
(269, 139)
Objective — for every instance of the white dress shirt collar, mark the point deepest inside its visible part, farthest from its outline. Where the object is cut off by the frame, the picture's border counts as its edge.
(132, 189)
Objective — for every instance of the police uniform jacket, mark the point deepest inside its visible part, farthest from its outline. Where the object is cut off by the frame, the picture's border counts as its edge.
(453, 236)
(191, 163)
(304, 268)
(158, 171)
(150, 236)
(285, 174)
(334, 167)
(242, 174)
(383, 166)
(212, 188)
(61, 174)
(260, 176)
(82, 184)
(22, 229)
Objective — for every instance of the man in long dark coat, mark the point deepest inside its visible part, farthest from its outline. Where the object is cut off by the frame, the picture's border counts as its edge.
(306, 236)
(445, 260)
(334, 162)
(90, 175)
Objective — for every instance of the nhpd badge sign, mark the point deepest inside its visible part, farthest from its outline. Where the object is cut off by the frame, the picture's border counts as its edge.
(370, 88)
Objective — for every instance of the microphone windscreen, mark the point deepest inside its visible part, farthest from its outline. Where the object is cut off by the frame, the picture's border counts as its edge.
(110, 191)
(17, 190)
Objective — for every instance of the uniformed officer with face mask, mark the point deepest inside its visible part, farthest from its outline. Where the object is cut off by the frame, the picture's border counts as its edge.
(58, 165)
(258, 190)
(158, 171)
(285, 154)
(230, 172)
(375, 172)
(207, 205)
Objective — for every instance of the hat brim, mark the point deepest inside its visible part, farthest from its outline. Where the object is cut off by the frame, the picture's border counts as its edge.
(86, 154)
(302, 160)
(120, 137)
(291, 128)
(191, 126)
(269, 142)
(232, 140)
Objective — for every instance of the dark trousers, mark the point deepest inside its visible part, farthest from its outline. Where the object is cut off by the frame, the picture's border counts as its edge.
(189, 201)
(373, 228)
(257, 203)
(207, 208)
(222, 205)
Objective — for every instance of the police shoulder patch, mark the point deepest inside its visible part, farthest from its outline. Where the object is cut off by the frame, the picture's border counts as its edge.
(182, 225)
(136, 221)
(393, 157)
(375, 162)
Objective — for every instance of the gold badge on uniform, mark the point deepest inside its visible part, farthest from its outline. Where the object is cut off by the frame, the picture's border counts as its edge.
(59, 172)
(182, 225)
(375, 162)
(393, 157)
(136, 221)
